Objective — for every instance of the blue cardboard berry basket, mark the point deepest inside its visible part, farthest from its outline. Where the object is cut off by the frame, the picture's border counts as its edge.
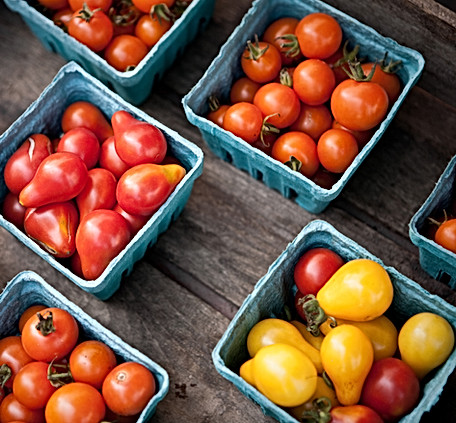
(436, 260)
(136, 85)
(226, 68)
(276, 289)
(71, 84)
(28, 288)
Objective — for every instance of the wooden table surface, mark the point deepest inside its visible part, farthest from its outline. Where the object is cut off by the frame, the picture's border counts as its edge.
(180, 297)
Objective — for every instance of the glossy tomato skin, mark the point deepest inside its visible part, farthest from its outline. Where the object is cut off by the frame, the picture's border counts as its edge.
(13, 211)
(354, 414)
(314, 268)
(125, 51)
(446, 235)
(75, 402)
(22, 165)
(391, 389)
(82, 142)
(244, 120)
(336, 150)
(128, 388)
(53, 227)
(13, 354)
(313, 120)
(110, 160)
(362, 137)
(216, 116)
(264, 68)
(149, 29)
(54, 345)
(12, 410)
(243, 89)
(135, 221)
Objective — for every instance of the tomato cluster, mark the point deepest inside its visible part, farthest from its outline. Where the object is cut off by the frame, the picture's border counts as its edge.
(341, 359)
(85, 194)
(49, 373)
(305, 99)
(121, 31)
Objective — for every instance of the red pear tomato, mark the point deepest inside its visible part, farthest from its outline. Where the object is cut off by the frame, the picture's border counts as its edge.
(110, 160)
(13, 211)
(135, 221)
(82, 142)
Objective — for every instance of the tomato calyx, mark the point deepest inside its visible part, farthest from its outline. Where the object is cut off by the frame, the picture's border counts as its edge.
(57, 379)
(285, 77)
(294, 164)
(45, 324)
(315, 315)
(348, 56)
(86, 13)
(268, 128)
(356, 72)
(5, 374)
(290, 45)
(254, 50)
(320, 411)
(161, 11)
(214, 103)
(123, 13)
(180, 7)
(391, 67)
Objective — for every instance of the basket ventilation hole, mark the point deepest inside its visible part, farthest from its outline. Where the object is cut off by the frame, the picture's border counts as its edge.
(292, 194)
(444, 277)
(228, 157)
(259, 175)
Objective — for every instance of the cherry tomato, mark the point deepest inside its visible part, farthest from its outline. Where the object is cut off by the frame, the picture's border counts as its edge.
(13, 211)
(50, 335)
(110, 160)
(391, 389)
(31, 386)
(125, 51)
(91, 361)
(87, 115)
(82, 142)
(13, 354)
(297, 149)
(53, 226)
(446, 235)
(388, 80)
(93, 4)
(146, 5)
(11, 410)
(29, 312)
(91, 27)
(150, 29)
(313, 81)
(314, 268)
(128, 388)
(354, 414)
(244, 120)
(279, 103)
(75, 402)
(216, 116)
(319, 35)
(22, 165)
(336, 150)
(261, 61)
(359, 106)
(313, 120)
(243, 89)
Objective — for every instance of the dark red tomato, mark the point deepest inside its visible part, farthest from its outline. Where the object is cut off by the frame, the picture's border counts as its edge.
(314, 268)
(362, 137)
(101, 235)
(278, 103)
(319, 35)
(135, 221)
(266, 144)
(13, 354)
(61, 18)
(29, 312)
(128, 388)
(336, 150)
(359, 106)
(298, 151)
(324, 179)
(261, 61)
(313, 81)
(60, 177)
(110, 160)
(50, 335)
(53, 226)
(91, 27)
(93, 4)
(75, 264)
(125, 51)
(137, 142)
(273, 35)
(31, 385)
(354, 414)
(87, 115)
(91, 361)
(54, 4)
(144, 188)
(391, 388)
(13, 211)
(22, 165)
(243, 89)
(145, 6)
(389, 81)
(313, 120)
(75, 402)
(82, 142)
(124, 16)
(98, 193)
(150, 28)
(216, 116)
(446, 235)
(244, 120)
(12, 410)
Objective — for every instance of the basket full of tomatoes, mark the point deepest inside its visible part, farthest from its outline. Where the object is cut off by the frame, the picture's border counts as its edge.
(59, 364)
(128, 45)
(299, 95)
(433, 228)
(330, 333)
(89, 182)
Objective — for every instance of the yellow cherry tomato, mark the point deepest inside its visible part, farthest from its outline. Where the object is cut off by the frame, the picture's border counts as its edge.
(360, 290)
(273, 331)
(315, 341)
(347, 356)
(284, 374)
(425, 341)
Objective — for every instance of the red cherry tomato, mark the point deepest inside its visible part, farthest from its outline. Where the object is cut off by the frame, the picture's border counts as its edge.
(125, 51)
(13, 354)
(446, 235)
(50, 335)
(336, 150)
(243, 89)
(128, 388)
(110, 160)
(82, 142)
(389, 81)
(12, 410)
(314, 268)
(362, 137)
(149, 29)
(313, 120)
(354, 414)
(13, 211)
(261, 61)
(218, 114)
(244, 120)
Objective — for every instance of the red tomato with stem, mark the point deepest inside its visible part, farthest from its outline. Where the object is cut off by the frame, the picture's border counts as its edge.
(82, 142)
(313, 81)
(50, 335)
(128, 388)
(12, 410)
(391, 389)
(110, 160)
(336, 150)
(13, 354)
(313, 120)
(150, 29)
(298, 151)
(314, 268)
(29, 312)
(385, 78)
(124, 16)
(354, 414)
(261, 61)
(75, 402)
(446, 235)
(13, 211)
(243, 90)
(244, 120)
(125, 51)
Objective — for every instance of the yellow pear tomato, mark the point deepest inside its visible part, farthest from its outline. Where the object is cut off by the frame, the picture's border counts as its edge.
(246, 372)
(360, 290)
(347, 356)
